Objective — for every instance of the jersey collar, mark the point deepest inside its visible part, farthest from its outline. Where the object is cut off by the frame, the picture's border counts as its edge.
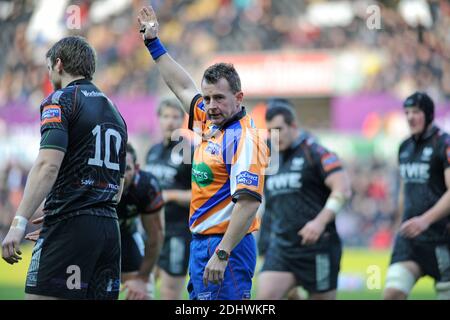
(238, 116)
(301, 137)
(79, 81)
(427, 134)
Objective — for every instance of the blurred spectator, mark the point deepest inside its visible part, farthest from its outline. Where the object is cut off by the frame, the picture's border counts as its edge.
(415, 57)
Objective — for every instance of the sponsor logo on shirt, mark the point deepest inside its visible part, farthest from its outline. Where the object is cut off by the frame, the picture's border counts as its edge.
(415, 172)
(202, 174)
(247, 178)
(51, 114)
(91, 94)
(284, 181)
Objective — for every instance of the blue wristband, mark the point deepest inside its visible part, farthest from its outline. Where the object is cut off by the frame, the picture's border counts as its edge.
(155, 47)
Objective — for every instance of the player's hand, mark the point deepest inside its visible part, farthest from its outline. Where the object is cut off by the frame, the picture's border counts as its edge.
(311, 232)
(38, 220)
(413, 227)
(136, 289)
(148, 24)
(33, 236)
(10, 245)
(214, 270)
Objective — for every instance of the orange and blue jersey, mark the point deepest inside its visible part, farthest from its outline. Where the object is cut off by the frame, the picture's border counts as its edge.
(228, 161)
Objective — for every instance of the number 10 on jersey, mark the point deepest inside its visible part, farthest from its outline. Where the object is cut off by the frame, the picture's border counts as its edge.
(97, 161)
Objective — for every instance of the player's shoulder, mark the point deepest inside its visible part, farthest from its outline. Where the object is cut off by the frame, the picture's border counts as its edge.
(443, 137)
(61, 97)
(313, 144)
(147, 179)
(155, 151)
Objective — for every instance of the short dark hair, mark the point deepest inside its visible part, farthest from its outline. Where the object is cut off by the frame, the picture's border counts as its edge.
(226, 71)
(279, 106)
(76, 54)
(170, 103)
(132, 151)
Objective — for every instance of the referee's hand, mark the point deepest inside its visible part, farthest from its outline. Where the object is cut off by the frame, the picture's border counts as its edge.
(214, 270)
(148, 23)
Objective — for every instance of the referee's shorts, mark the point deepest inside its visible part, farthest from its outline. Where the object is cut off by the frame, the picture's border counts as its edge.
(237, 283)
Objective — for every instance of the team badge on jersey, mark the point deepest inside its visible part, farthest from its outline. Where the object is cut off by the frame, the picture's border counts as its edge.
(51, 113)
(213, 148)
(426, 154)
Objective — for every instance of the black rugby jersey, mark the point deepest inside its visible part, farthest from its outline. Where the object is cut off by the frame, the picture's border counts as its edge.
(82, 122)
(422, 164)
(142, 197)
(173, 171)
(297, 192)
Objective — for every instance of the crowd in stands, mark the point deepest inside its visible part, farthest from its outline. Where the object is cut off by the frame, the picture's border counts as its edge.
(415, 57)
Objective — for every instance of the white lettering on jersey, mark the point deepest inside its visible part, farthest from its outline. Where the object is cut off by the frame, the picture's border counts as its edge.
(284, 181)
(415, 172)
(164, 174)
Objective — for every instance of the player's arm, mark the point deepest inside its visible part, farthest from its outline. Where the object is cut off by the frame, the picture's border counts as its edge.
(181, 197)
(241, 219)
(155, 237)
(400, 206)
(339, 185)
(415, 226)
(40, 180)
(174, 75)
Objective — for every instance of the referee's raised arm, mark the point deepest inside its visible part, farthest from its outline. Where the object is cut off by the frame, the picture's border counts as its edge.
(178, 80)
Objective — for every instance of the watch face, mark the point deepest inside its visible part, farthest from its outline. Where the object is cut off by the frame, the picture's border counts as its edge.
(222, 254)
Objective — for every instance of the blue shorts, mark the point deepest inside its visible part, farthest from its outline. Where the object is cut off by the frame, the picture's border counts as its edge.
(237, 283)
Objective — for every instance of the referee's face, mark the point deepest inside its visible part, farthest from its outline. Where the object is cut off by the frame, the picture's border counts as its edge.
(220, 102)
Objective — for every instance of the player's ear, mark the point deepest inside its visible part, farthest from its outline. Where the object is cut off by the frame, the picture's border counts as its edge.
(239, 97)
(58, 65)
(137, 167)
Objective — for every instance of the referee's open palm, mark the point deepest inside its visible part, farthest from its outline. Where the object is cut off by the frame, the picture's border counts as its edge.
(148, 23)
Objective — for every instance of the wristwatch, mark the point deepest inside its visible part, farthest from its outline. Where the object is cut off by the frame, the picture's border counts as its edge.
(222, 254)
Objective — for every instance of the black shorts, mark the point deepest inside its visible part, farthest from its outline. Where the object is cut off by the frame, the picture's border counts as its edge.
(316, 267)
(174, 256)
(132, 251)
(76, 258)
(433, 258)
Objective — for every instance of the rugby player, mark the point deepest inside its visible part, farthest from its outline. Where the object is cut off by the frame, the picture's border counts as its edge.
(227, 174)
(173, 170)
(302, 199)
(422, 245)
(141, 198)
(79, 171)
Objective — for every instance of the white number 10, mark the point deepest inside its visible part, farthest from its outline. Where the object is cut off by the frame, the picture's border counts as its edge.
(96, 161)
